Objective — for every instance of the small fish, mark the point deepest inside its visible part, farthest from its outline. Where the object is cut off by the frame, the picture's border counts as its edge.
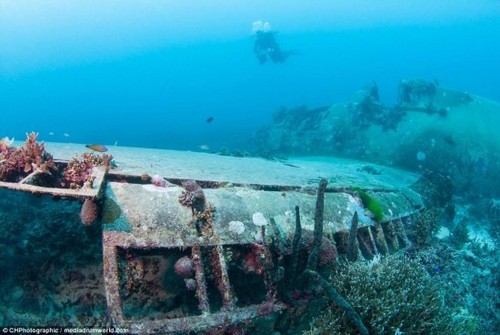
(97, 147)
(449, 140)
(436, 269)
(66, 135)
(51, 133)
(204, 147)
(209, 119)
(421, 156)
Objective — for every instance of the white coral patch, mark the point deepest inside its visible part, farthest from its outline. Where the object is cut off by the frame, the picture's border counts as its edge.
(481, 237)
(443, 233)
(259, 219)
(259, 238)
(236, 227)
(7, 141)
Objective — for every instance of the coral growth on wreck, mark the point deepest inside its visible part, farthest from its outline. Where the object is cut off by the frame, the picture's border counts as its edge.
(33, 164)
(157, 180)
(192, 196)
(5, 143)
(18, 163)
(78, 172)
(203, 212)
(184, 267)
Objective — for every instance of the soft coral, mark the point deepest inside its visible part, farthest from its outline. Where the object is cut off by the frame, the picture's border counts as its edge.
(18, 163)
(78, 172)
(35, 156)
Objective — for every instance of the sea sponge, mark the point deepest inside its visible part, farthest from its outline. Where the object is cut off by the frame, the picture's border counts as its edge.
(110, 211)
(184, 267)
(157, 180)
(327, 250)
(89, 212)
(192, 196)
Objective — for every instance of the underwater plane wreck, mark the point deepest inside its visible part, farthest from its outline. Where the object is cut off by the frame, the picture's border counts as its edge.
(160, 241)
(202, 241)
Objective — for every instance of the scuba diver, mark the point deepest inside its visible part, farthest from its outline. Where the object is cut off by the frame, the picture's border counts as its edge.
(266, 46)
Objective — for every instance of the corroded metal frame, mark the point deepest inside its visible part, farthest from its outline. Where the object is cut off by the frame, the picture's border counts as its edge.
(229, 314)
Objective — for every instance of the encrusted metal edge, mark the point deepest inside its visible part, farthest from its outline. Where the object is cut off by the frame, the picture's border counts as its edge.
(95, 192)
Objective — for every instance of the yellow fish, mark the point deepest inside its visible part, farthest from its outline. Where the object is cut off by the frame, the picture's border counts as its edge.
(97, 147)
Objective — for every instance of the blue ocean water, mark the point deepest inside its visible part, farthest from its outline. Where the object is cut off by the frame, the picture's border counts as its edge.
(150, 74)
(184, 75)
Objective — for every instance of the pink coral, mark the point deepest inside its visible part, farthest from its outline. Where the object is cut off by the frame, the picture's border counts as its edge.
(158, 181)
(78, 172)
(18, 163)
(252, 262)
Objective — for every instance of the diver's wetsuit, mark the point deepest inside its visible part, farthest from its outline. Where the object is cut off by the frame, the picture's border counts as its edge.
(266, 46)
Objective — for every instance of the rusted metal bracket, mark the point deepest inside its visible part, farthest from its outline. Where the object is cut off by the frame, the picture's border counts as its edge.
(209, 314)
